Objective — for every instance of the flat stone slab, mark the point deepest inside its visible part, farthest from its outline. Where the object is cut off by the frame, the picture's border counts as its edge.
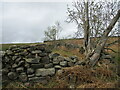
(33, 60)
(45, 72)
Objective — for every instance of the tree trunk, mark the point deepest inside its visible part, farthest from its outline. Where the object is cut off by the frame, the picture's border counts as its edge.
(100, 46)
(86, 30)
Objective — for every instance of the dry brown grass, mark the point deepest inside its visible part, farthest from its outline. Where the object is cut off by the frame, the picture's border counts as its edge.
(83, 77)
(99, 85)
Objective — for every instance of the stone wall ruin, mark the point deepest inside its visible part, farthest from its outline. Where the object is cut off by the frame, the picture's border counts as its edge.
(33, 63)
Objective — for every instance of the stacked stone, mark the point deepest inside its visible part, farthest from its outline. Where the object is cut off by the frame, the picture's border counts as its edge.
(35, 63)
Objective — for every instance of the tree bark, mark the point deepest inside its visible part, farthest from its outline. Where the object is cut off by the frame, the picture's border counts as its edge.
(86, 30)
(100, 46)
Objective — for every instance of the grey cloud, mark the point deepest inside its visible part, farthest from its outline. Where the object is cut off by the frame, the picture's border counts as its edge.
(26, 22)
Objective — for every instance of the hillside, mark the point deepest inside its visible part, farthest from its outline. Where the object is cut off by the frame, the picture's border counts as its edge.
(104, 75)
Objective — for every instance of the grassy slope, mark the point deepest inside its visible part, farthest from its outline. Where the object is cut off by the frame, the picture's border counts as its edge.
(103, 80)
(65, 52)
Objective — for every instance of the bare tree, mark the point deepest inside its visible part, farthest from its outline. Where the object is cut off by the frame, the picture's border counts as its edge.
(52, 32)
(95, 20)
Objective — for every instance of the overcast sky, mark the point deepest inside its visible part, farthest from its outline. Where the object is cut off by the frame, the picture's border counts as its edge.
(26, 21)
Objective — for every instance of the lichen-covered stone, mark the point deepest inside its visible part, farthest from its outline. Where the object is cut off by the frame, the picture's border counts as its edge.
(30, 71)
(36, 52)
(45, 72)
(19, 70)
(36, 66)
(57, 67)
(33, 60)
(63, 63)
(12, 75)
(50, 65)
(45, 60)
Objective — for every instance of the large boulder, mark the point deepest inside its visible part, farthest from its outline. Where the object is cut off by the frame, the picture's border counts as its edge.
(45, 72)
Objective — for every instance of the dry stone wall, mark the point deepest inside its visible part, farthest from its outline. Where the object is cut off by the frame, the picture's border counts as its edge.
(33, 63)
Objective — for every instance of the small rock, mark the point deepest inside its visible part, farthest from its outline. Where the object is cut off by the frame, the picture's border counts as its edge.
(17, 60)
(14, 57)
(56, 61)
(50, 65)
(45, 60)
(6, 59)
(68, 59)
(12, 75)
(63, 63)
(30, 71)
(36, 52)
(32, 75)
(5, 71)
(79, 63)
(42, 48)
(21, 63)
(27, 65)
(60, 58)
(74, 60)
(73, 57)
(53, 55)
(9, 52)
(48, 51)
(2, 53)
(43, 54)
(20, 69)
(32, 60)
(57, 67)
(13, 46)
(23, 77)
(70, 64)
(36, 66)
